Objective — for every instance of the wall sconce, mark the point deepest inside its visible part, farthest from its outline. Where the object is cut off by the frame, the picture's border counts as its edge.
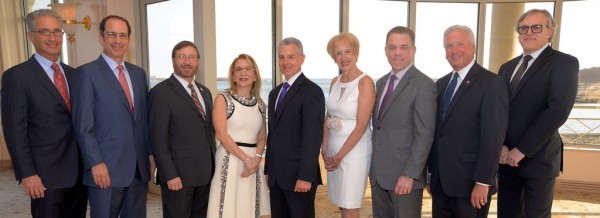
(68, 12)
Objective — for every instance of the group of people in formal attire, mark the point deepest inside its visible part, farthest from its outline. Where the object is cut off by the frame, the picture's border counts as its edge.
(97, 133)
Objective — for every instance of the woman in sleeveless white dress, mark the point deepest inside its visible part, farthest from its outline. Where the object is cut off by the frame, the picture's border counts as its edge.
(238, 188)
(347, 140)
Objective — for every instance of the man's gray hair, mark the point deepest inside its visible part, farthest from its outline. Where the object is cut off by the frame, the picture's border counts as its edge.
(463, 28)
(292, 40)
(30, 18)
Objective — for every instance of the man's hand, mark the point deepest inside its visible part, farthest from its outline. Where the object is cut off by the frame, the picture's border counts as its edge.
(175, 184)
(100, 174)
(152, 165)
(504, 155)
(514, 157)
(33, 186)
(479, 195)
(302, 186)
(404, 185)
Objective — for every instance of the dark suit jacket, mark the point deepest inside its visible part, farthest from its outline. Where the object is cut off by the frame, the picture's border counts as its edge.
(541, 104)
(182, 142)
(37, 126)
(466, 147)
(106, 128)
(295, 135)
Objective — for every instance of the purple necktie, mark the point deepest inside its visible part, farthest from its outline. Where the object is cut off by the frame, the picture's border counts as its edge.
(386, 97)
(282, 95)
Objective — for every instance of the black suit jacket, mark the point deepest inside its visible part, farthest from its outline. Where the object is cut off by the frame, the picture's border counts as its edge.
(541, 104)
(182, 142)
(466, 147)
(295, 135)
(37, 126)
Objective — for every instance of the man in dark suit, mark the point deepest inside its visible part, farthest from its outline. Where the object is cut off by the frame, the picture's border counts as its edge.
(543, 86)
(36, 120)
(471, 123)
(296, 114)
(110, 119)
(403, 129)
(182, 136)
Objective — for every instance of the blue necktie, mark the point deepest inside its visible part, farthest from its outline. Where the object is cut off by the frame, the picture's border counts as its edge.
(282, 95)
(386, 97)
(448, 94)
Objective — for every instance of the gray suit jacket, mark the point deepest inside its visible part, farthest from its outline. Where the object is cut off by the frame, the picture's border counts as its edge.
(404, 135)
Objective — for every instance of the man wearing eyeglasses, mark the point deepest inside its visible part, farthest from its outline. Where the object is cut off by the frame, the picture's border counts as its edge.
(36, 121)
(110, 119)
(182, 136)
(542, 85)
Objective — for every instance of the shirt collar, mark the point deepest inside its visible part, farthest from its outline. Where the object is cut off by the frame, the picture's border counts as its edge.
(537, 53)
(184, 82)
(293, 79)
(463, 72)
(46, 64)
(111, 63)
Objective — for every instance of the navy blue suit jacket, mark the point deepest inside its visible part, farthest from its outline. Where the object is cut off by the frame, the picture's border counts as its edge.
(106, 128)
(37, 126)
(466, 146)
(541, 104)
(295, 135)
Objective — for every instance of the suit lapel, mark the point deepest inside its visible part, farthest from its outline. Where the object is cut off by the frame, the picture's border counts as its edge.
(42, 77)
(379, 94)
(292, 90)
(464, 86)
(533, 69)
(182, 93)
(112, 80)
(404, 81)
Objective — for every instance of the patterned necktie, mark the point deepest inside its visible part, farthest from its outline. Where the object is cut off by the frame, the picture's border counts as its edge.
(197, 101)
(386, 97)
(448, 94)
(61, 85)
(517, 78)
(125, 86)
(282, 95)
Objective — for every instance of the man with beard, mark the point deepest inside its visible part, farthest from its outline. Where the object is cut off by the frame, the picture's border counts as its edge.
(182, 136)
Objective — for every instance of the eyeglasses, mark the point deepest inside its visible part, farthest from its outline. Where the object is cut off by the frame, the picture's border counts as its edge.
(45, 32)
(114, 35)
(534, 29)
(182, 57)
(246, 69)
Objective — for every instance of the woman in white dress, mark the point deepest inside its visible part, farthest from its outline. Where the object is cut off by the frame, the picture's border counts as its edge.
(347, 136)
(238, 188)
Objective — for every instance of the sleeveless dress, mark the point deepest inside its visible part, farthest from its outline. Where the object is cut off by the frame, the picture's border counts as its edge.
(232, 196)
(346, 185)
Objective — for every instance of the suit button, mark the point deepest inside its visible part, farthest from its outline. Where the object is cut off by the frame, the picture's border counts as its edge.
(378, 128)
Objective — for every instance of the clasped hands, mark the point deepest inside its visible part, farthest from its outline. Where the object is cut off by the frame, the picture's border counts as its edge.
(512, 157)
(250, 166)
(331, 162)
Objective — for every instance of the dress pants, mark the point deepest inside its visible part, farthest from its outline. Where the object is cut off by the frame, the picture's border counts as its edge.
(186, 202)
(290, 204)
(444, 206)
(387, 204)
(61, 203)
(520, 197)
(124, 202)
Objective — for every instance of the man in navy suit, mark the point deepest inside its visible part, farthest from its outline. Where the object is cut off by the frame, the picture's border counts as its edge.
(471, 123)
(182, 136)
(542, 95)
(110, 119)
(36, 120)
(296, 114)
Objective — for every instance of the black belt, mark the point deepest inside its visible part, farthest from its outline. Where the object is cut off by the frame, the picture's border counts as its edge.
(246, 145)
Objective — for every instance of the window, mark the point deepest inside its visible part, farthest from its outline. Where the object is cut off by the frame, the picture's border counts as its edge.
(169, 22)
(371, 59)
(314, 32)
(244, 27)
(432, 20)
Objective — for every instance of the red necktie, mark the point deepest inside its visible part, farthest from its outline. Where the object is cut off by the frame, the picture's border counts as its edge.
(125, 86)
(197, 101)
(61, 85)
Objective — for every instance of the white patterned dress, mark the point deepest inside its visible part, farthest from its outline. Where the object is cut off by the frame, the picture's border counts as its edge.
(346, 185)
(232, 196)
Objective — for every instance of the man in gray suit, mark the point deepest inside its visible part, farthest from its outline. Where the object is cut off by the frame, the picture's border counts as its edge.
(403, 128)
